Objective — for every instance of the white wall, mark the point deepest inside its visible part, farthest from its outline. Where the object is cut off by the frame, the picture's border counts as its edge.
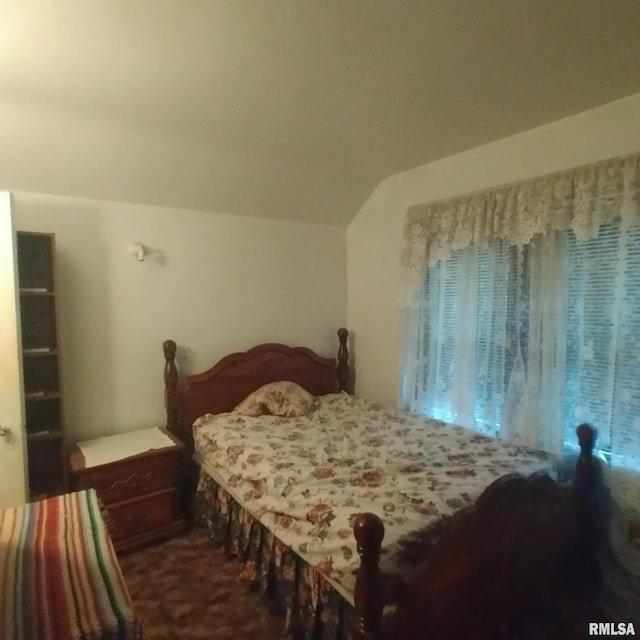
(374, 238)
(215, 284)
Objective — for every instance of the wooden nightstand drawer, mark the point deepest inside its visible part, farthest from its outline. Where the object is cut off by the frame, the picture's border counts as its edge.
(138, 518)
(125, 480)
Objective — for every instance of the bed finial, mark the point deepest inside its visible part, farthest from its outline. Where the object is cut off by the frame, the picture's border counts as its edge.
(587, 481)
(368, 530)
(343, 360)
(587, 468)
(171, 396)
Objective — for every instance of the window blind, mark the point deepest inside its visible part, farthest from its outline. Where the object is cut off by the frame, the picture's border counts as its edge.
(603, 341)
(477, 329)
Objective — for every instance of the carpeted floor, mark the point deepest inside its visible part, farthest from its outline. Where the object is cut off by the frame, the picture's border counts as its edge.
(186, 589)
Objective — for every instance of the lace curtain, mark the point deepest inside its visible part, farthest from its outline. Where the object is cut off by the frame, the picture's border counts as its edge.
(580, 199)
(522, 309)
(488, 341)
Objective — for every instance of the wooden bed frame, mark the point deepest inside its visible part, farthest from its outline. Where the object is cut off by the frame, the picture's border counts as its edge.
(486, 573)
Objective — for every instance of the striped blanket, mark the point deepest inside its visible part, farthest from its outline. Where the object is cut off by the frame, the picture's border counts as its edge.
(59, 577)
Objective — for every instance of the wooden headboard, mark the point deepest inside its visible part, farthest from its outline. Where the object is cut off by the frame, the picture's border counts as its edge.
(229, 381)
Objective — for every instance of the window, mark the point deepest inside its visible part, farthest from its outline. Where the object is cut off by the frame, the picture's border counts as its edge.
(527, 342)
(603, 342)
(466, 329)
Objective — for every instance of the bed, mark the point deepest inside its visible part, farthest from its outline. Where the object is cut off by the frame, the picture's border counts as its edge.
(59, 577)
(288, 495)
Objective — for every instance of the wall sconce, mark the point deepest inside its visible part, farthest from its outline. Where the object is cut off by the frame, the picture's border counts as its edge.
(139, 251)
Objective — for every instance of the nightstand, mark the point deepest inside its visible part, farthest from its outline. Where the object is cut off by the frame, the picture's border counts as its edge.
(138, 477)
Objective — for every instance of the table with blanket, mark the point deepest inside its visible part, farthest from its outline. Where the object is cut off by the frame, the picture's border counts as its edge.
(59, 576)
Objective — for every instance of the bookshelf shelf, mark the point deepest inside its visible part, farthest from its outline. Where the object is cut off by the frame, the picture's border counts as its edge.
(51, 434)
(36, 353)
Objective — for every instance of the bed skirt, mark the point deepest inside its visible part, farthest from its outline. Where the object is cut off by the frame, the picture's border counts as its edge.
(313, 609)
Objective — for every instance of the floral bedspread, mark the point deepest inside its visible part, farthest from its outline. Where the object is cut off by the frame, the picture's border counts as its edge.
(306, 479)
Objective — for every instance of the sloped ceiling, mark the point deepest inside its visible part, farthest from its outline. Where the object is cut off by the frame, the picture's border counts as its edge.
(292, 109)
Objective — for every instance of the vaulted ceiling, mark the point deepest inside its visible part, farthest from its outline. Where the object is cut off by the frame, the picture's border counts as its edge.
(292, 109)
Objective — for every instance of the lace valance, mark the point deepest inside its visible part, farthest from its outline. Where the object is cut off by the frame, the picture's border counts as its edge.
(580, 199)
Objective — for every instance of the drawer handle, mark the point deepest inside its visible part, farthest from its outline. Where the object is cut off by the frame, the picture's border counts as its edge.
(133, 483)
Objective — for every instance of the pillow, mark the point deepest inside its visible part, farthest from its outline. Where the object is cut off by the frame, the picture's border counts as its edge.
(282, 398)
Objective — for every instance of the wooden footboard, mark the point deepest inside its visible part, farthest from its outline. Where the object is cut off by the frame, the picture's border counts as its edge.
(497, 562)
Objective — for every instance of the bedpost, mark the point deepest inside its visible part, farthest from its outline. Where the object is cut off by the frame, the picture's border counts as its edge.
(343, 360)
(171, 396)
(369, 594)
(586, 487)
(587, 469)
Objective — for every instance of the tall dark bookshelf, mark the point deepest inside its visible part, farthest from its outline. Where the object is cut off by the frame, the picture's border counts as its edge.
(44, 414)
